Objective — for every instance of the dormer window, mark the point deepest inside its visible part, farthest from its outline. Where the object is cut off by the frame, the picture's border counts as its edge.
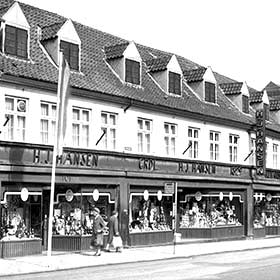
(71, 54)
(245, 104)
(174, 84)
(16, 40)
(210, 92)
(132, 71)
(266, 111)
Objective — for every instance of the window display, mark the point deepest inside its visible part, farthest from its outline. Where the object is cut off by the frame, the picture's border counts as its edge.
(207, 211)
(150, 214)
(267, 211)
(21, 219)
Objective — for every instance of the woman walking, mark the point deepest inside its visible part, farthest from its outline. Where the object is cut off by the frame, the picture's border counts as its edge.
(114, 235)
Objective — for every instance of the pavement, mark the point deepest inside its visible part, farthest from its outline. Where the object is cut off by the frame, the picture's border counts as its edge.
(183, 249)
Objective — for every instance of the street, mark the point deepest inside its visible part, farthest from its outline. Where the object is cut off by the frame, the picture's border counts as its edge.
(254, 264)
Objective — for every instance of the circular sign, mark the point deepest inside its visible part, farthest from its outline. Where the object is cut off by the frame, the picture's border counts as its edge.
(198, 196)
(69, 195)
(221, 196)
(95, 194)
(24, 194)
(146, 195)
(159, 195)
(230, 196)
(268, 197)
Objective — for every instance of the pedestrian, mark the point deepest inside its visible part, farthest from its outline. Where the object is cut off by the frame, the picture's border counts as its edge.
(113, 225)
(97, 231)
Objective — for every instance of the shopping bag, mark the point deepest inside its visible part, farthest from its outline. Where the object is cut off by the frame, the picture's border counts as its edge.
(117, 242)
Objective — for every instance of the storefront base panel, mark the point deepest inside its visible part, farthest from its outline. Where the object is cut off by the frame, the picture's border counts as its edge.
(272, 230)
(19, 248)
(73, 243)
(218, 232)
(259, 232)
(150, 238)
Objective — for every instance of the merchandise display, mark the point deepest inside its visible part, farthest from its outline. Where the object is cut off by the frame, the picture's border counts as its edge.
(208, 213)
(150, 215)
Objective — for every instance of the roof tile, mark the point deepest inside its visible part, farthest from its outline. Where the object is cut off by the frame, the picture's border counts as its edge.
(157, 64)
(115, 51)
(256, 97)
(231, 88)
(194, 75)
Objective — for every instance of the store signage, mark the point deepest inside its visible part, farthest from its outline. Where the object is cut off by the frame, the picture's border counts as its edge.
(260, 143)
(146, 195)
(24, 194)
(169, 188)
(195, 167)
(69, 158)
(235, 170)
(95, 194)
(147, 164)
(273, 174)
(69, 195)
(198, 196)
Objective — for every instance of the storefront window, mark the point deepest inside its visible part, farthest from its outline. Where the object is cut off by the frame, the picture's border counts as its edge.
(266, 209)
(150, 214)
(206, 210)
(21, 219)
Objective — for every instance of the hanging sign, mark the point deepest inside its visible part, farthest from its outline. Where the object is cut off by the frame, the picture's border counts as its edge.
(198, 196)
(221, 196)
(230, 196)
(169, 188)
(24, 194)
(159, 195)
(95, 194)
(268, 197)
(69, 195)
(146, 195)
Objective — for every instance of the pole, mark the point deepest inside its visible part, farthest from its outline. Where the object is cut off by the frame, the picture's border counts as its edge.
(175, 217)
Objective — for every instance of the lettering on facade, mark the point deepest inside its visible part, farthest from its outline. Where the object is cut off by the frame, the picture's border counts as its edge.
(201, 168)
(235, 170)
(272, 174)
(260, 143)
(69, 158)
(147, 164)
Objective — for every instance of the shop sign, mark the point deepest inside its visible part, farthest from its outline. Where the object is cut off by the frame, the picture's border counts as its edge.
(147, 164)
(146, 195)
(197, 167)
(198, 196)
(169, 188)
(95, 194)
(24, 194)
(260, 142)
(69, 195)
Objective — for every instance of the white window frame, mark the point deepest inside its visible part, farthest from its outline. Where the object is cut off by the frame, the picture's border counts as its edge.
(193, 142)
(144, 135)
(50, 120)
(233, 147)
(214, 145)
(170, 138)
(78, 139)
(275, 155)
(12, 130)
(109, 141)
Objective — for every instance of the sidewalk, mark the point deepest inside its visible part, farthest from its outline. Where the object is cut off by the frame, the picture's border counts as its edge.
(66, 260)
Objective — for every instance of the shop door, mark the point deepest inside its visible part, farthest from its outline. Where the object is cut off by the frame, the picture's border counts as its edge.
(45, 216)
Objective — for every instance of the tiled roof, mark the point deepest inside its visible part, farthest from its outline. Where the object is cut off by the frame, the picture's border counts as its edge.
(157, 64)
(256, 97)
(49, 32)
(194, 75)
(231, 88)
(115, 51)
(273, 91)
(97, 76)
(271, 86)
(274, 105)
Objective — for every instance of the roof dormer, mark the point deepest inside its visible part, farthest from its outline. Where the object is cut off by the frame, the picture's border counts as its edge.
(203, 82)
(259, 101)
(125, 61)
(62, 36)
(238, 93)
(167, 73)
(15, 31)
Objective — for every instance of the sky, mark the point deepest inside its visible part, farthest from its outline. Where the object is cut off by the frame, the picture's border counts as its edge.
(237, 38)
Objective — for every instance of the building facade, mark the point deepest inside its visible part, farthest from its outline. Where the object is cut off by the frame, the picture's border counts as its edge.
(172, 145)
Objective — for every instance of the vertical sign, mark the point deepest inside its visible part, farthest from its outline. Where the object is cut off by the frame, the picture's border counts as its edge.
(260, 143)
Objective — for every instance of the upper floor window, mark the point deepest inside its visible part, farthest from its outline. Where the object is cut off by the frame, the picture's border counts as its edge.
(109, 128)
(80, 127)
(193, 142)
(71, 54)
(174, 83)
(47, 122)
(144, 135)
(245, 104)
(15, 111)
(210, 92)
(233, 147)
(170, 133)
(16, 41)
(214, 145)
(132, 71)
(275, 155)
(266, 111)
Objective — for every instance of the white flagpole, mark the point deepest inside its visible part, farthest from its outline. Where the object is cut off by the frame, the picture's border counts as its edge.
(55, 147)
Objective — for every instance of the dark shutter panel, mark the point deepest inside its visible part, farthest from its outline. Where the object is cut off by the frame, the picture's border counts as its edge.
(65, 48)
(245, 104)
(174, 84)
(132, 72)
(74, 56)
(10, 40)
(210, 92)
(21, 43)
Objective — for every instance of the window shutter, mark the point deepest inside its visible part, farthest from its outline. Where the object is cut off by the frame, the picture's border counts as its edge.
(210, 92)
(10, 40)
(174, 84)
(132, 72)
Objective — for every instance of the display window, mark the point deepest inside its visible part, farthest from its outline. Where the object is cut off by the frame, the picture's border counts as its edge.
(266, 209)
(150, 212)
(210, 209)
(73, 211)
(21, 215)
